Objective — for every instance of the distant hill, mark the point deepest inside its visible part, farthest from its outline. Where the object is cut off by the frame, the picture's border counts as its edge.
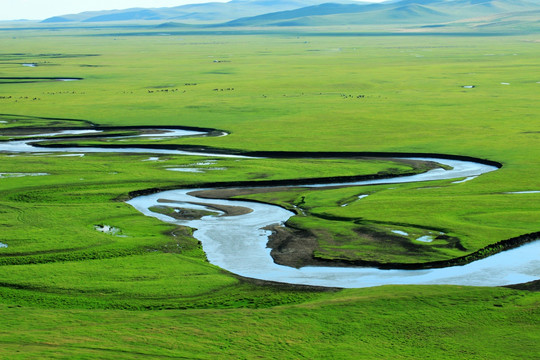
(144, 14)
(399, 12)
(240, 13)
(56, 19)
(525, 20)
(206, 12)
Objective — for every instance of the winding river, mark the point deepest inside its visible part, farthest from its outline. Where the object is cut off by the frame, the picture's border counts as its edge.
(238, 243)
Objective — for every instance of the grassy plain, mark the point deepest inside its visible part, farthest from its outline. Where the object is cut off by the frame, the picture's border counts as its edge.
(68, 290)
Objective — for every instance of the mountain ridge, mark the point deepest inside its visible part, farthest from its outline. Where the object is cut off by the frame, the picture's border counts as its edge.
(254, 13)
(396, 12)
(211, 11)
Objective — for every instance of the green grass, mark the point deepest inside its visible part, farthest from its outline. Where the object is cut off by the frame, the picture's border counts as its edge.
(58, 211)
(68, 290)
(404, 322)
(417, 209)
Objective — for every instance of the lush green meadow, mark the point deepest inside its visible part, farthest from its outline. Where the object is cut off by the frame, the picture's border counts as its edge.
(399, 322)
(68, 290)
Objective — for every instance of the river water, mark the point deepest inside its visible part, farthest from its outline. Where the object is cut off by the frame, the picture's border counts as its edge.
(238, 243)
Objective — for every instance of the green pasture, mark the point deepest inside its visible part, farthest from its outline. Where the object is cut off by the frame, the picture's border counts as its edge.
(70, 291)
(403, 322)
(58, 211)
(342, 222)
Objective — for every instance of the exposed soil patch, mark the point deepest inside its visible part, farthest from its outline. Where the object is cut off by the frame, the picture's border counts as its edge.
(389, 241)
(297, 248)
(452, 242)
(529, 286)
(180, 213)
(226, 209)
(292, 247)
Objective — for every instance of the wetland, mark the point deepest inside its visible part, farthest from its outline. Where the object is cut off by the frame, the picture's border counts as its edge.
(251, 259)
(302, 127)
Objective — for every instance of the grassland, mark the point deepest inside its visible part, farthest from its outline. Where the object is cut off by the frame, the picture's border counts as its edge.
(68, 290)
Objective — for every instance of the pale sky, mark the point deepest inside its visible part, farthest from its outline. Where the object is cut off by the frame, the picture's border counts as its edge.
(42, 9)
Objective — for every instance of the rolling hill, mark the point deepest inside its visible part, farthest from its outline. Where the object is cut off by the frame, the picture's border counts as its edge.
(401, 12)
(205, 12)
(479, 14)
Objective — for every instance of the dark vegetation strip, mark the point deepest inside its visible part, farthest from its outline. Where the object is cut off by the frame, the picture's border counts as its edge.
(299, 155)
(190, 148)
(251, 294)
(209, 131)
(37, 78)
(270, 183)
(352, 154)
(120, 131)
(482, 253)
(277, 154)
(269, 154)
(46, 125)
(28, 80)
(29, 117)
(43, 252)
(64, 255)
(189, 128)
(51, 55)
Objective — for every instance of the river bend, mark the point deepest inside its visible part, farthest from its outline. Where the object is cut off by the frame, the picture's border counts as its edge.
(238, 243)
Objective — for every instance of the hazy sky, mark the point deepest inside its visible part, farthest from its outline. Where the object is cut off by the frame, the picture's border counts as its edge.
(42, 9)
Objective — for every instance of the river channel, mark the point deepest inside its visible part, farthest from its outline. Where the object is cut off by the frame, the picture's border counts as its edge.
(238, 243)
